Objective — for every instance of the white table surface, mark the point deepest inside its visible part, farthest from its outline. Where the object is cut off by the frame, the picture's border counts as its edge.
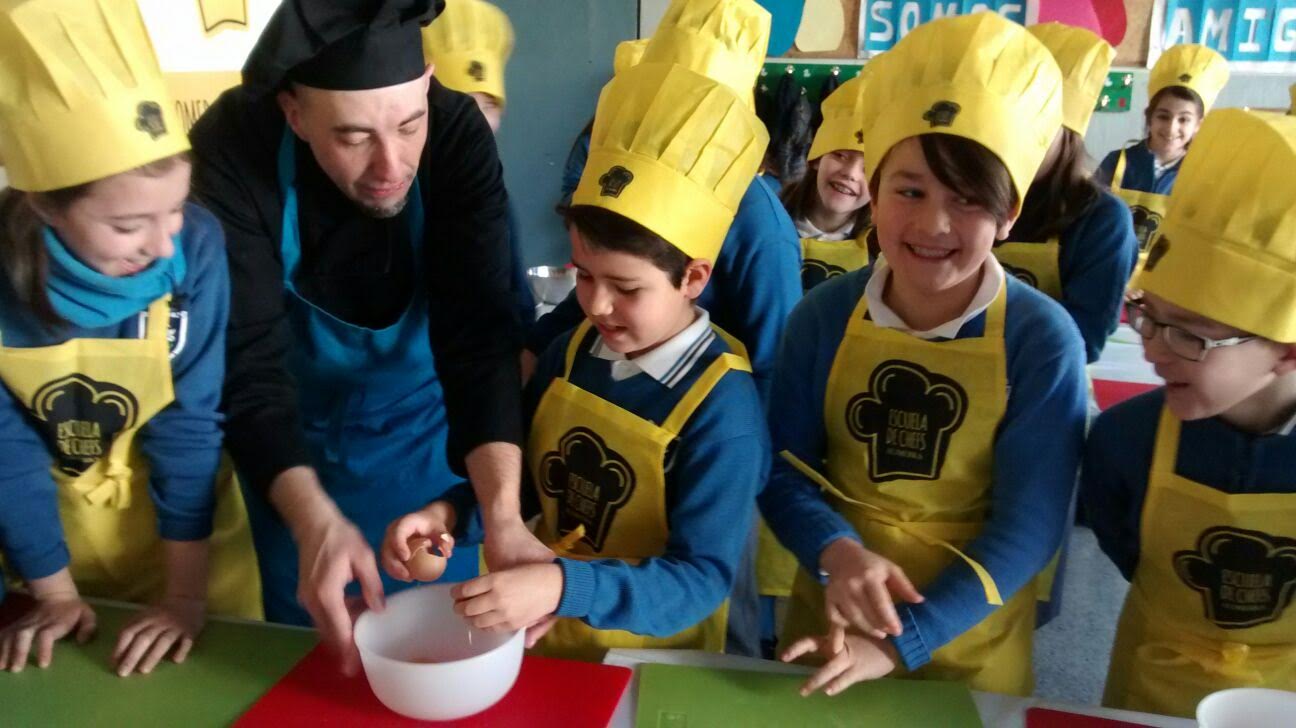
(997, 711)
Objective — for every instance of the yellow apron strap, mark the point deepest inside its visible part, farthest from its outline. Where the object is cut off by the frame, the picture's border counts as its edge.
(1166, 451)
(674, 422)
(573, 346)
(881, 516)
(1228, 660)
(564, 545)
(159, 319)
(734, 345)
(1119, 173)
(994, 323)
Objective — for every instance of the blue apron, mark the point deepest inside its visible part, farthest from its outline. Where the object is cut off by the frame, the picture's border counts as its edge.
(372, 411)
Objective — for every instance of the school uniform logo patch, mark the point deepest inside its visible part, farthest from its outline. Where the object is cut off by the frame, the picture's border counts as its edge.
(614, 181)
(476, 71)
(1146, 223)
(942, 113)
(81, 417)
(148, 119)
(590, 481)
(1246, 578)
(907, 418)
(814, 272)
(1021, 274)
(177, 327)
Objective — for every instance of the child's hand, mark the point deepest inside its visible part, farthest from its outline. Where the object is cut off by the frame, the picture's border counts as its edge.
(862, 587)
(851, 658)
(149, 636)
(52, 619)
(512, 599)
(434, 522)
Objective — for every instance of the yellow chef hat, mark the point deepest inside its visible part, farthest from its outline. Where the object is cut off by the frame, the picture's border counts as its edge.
(843, 115)
(1227, 246)
(1194, 67)
(81, 93)
(470, 43)
(977, 76)
(674, 151)
(724, 39)
(628, 55)
(1084, 59)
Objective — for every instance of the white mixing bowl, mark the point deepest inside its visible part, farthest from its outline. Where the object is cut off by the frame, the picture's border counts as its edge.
(1247, 708)
(424, 661)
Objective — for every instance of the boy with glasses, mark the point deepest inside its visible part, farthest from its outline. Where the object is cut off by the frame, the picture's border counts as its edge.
(1191, 488)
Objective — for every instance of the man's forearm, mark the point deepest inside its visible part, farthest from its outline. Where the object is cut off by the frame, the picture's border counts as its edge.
(299, 498)
(495, 469)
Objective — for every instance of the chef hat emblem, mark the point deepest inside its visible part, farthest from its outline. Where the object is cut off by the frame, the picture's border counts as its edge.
(1245, 578)
(590, 481)
(1185, 77)
(477, 71)
(1146, 224)
(149, 120)
(907, 418)
(942, 113)
(614, 181)
(1158, 251)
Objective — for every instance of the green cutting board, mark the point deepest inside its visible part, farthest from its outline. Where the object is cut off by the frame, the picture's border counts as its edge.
(673, 696)
(229, 668)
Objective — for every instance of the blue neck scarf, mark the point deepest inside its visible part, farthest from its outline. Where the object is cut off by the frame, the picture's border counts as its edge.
(90, 299)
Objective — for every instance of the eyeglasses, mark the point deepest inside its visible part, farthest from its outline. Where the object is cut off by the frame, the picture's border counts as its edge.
(1183, 344)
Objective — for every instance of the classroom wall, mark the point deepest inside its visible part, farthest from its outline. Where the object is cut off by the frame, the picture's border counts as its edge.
(562, 58)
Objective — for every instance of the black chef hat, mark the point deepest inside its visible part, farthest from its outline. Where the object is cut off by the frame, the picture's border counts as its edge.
(342, 45)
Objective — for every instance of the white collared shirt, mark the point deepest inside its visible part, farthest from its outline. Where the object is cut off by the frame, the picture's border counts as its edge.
(670, 361)
(886, 318)
(807, 229)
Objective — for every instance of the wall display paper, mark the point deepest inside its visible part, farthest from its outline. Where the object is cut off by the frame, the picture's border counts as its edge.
(1254, 35)
(822, 26)
(882, 23)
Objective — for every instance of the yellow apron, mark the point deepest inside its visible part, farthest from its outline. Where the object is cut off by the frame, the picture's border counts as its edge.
(912, 459)
(1210, 605)
(825, 259)
(1035, 264)
(1148, 209)
(89, 398)
(600, 473)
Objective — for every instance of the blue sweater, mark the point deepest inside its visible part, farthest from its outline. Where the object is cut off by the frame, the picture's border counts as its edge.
(717, 465)
(181, 443)
(1098, 255)
(754, 286)
(1036, 454)
(1139, 173)
(1117, 458)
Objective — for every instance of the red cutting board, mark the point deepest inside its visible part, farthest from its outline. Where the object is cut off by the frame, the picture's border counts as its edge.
(1047, 718)
(548, 692)
(1108, 393)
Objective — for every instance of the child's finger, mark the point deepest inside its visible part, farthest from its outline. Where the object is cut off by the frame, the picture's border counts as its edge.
(883, 608)
(182, 651)
(89, 622)
(138, 649)
(803, 646)
(537, 631)
(45, 639)
(21, 649)
(837, 639)
(900, 586)
(160, 648)
(446, 545)
(475, 607)
(472, 587)
(4, 651)
(846, 679)
(825, 674)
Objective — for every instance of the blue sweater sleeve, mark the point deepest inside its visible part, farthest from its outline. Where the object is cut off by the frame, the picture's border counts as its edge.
(791, 504)
(1037, 454)
(1113, 480)
(183, 442)
(31, 534)
(721, 460)
(575, 165)
(758, 279)
(1099, 252)
(1107, 169)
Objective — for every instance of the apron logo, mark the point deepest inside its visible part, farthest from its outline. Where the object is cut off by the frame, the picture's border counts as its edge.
(1158, 251)
(477, 71)
(814, 272)
(907, 418)
(81, 417)
(590, 481)
(1246, 578)
(1146, 223)
(942, 113)
(614, 181)
(1021, 274)
(148, 119)
(216, 13)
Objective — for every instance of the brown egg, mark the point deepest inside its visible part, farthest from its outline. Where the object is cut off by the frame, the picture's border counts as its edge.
(424, 564)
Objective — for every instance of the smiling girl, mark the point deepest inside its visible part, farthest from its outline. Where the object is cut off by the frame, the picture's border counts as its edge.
(1182, 87)
(830, 205)
(930, 409)
(113, 307)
